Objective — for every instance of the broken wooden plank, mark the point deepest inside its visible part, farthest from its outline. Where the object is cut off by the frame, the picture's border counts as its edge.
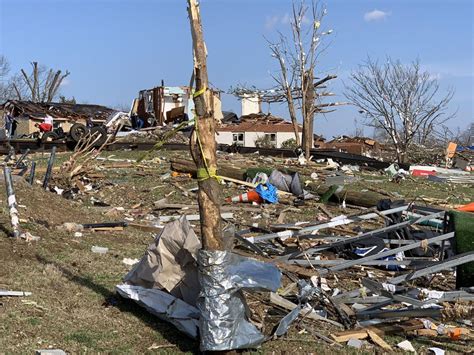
(346, 309)
(350, 334)
(380, 330)
(145, 227)
(427, 332)
(107, 229)
(189, 166)
(119, 165)
(378, 340)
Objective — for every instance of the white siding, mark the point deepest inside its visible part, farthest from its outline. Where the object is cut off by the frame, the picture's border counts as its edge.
(284, 136)
(224, 138)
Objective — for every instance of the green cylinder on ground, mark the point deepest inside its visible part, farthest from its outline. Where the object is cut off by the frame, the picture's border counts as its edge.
(464, 233)
(251, 172)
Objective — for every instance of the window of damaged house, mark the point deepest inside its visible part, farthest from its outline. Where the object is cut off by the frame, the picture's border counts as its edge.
(271, 136)
(238, 138)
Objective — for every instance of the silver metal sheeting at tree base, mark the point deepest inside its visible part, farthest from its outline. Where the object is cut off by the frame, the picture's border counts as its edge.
(224, 321)
(165, 306)
(166, 282)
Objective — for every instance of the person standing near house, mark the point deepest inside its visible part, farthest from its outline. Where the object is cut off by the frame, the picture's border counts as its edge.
(10, 124)
(48, 120)
(44, 127)
(7, 122)
(137, 122)
(140, 122)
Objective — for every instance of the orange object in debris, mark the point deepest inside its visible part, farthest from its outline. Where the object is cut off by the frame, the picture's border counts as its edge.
(176, 174)
(467, 208)
(455, 333)
(250, 196)
(451, 150)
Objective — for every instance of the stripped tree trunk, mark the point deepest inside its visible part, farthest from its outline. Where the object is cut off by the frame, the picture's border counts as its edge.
(288, 93)
(294, 120)
(308, 119)
(203, 142)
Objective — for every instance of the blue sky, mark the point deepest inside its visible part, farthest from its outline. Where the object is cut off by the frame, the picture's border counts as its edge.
(114, 48)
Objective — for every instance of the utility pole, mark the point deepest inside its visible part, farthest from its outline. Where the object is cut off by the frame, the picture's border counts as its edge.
(203, 141)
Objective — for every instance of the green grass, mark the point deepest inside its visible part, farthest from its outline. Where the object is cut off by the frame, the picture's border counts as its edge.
(72, 284)
(82, 337)
(33, 321)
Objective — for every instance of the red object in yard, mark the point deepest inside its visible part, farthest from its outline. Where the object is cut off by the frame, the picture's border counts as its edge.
(250, 196)
(467, 208)
(45, 127)
(418, 172)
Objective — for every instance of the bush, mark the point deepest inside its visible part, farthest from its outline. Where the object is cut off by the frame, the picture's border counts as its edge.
(289, 144)
(264, 142)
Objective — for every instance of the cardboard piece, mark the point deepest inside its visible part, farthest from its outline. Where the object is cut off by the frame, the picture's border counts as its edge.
(169, 262)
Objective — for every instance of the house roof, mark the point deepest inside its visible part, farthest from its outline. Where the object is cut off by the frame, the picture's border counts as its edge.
(259, 123)
(58, 110)
(348, 139)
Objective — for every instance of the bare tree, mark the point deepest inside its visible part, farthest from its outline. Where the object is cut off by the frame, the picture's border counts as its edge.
(402, 99)
(358, 129)
(41, 85)
(297, 58)
(465, 136)
(64, 100)
(4, 67)
(4, 71)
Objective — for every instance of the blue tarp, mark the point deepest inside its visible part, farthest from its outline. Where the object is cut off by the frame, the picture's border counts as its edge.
(267, 192)
(460, 148)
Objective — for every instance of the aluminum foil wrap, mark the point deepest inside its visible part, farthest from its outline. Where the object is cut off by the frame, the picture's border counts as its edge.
(224, 318)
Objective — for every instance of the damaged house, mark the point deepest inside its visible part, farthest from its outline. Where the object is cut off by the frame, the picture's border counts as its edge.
(168, 104)
(354, 145)
(253, 128)
(27, 114)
